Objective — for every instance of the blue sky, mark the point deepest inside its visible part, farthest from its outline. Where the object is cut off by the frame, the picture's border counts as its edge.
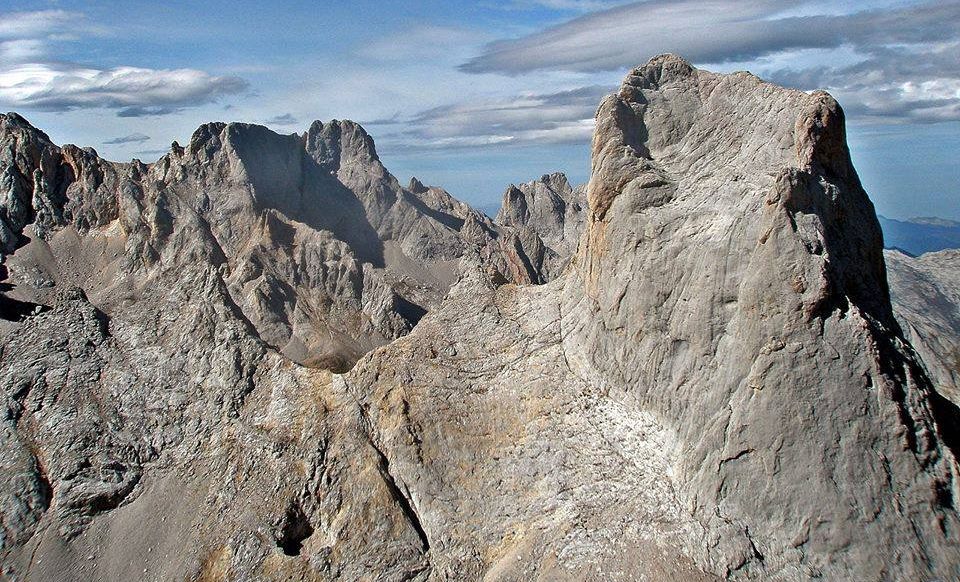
(475, 95)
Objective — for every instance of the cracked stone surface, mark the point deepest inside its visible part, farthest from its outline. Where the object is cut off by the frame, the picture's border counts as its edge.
(714, 388)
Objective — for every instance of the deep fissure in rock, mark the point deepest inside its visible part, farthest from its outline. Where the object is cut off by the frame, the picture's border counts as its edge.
(405, 504)
(294, 529)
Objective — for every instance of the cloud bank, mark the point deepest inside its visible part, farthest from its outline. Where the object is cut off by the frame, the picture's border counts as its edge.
(905, 57)
(541, 118)
(30, 76)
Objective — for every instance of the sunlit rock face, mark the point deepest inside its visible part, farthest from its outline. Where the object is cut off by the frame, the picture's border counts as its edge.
(925, 291)
(548, 217)
(318, 246)
(732, 283)
(709, 384)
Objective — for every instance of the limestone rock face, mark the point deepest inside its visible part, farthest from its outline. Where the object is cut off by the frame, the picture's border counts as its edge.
(545, 213)
(926, 300)
(319, 246)
(715, 387)
(732, 283)
(728, 305)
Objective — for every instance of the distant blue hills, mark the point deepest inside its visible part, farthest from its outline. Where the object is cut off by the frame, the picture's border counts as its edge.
(916, 236)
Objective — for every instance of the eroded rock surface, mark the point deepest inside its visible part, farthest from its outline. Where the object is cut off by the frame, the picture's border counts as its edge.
(926, 300)
(715, 388)
(547, 217)
(319, 246)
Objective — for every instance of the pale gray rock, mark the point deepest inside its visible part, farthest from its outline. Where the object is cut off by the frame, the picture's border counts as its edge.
(729, 300)
(732, 282)
(544, 219)
(320, 247)
(926, 300)
(552, 209)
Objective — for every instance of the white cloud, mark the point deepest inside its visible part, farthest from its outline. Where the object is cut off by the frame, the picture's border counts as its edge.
(424, 42)
(30, 78)
(885, 49)
(22, 50)
(37, 24)
(560, 117)
(132, 90)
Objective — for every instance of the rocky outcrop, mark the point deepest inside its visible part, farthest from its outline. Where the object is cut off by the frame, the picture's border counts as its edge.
(321, 249)
(733, 265)
(715, 388)
(926, 300)
(727, 309)
(546, 217)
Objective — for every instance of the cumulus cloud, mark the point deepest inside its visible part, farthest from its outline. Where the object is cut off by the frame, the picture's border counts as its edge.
(132, 138)
(905, 56)
(31, 78)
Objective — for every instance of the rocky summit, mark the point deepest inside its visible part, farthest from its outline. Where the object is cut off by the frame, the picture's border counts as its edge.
(262, 358)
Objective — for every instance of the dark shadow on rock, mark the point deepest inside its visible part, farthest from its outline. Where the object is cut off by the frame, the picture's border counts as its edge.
(13, 309)
(408, 310)
(443, 218)
(286, 178)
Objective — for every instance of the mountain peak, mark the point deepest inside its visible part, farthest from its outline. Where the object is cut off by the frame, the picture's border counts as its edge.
(15, 121)
(718, 317)
(329, 142)
(416, 186)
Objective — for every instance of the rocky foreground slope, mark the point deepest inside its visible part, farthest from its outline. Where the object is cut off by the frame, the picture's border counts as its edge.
(715, 388)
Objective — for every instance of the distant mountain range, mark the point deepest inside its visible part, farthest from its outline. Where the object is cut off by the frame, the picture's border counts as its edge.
(920, 235)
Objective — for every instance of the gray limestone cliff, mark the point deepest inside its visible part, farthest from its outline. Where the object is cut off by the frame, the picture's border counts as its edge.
(926, 299)
(320, 248)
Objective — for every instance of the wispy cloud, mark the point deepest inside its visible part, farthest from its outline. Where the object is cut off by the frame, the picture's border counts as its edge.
(894, 47)
(560, 5)
(389, 120)
(151, 153)
(133, 91)
(132, 138)
(711, 32)
(422, 42)
(284, 119)
(561, 117)
(38, 23)
(907, 84)
(31, 77)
